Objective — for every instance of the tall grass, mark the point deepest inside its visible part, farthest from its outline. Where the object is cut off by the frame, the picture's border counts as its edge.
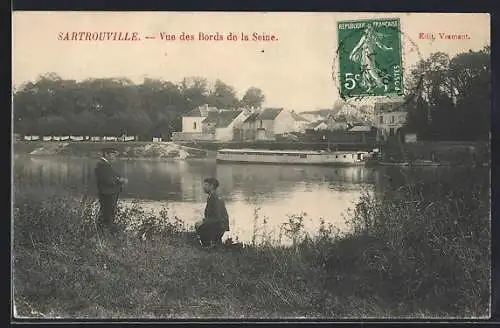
(427, 242)
(420, 250)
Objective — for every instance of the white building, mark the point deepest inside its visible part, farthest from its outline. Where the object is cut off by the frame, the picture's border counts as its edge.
(388, 124)
(191, 122)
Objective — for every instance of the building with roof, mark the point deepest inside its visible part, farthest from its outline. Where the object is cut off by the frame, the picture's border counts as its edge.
(228, 125)
(249, 127)
(209, 123)
(274, 121)
(390, 117)
(389, 124)
(191, 121)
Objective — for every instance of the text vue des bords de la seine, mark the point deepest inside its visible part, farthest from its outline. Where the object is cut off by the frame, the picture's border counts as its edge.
(134, 36)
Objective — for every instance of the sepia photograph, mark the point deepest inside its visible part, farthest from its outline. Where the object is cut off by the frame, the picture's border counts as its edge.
(251, 165)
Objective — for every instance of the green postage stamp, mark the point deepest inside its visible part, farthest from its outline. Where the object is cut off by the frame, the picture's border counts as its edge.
(369, 57)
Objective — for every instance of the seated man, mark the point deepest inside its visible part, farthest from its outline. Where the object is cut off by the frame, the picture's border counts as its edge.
(216, 220)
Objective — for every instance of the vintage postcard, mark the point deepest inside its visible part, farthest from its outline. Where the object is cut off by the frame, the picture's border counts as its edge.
(247, 165)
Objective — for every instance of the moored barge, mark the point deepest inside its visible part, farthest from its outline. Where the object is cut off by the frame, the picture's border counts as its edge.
(321, 157)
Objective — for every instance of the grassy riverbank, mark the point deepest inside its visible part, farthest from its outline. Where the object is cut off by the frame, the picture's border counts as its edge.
(419, 250)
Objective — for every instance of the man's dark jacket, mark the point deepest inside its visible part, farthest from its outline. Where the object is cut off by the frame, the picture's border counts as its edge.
(216, 213)
(108, 181)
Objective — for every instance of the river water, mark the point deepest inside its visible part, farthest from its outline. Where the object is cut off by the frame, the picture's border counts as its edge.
(274, 191)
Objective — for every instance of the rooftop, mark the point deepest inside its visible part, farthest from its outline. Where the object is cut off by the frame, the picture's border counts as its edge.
(269, 113)
(211, 117)
(252, 118)
(225, 118)
(193, 113)
(201, 111)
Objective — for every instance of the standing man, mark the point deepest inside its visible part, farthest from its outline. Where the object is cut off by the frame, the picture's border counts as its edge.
(109, 186)
(216, 220)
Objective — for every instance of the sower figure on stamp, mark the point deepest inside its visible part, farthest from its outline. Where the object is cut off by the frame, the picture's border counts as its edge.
(216, 220)
(363, 53)
(109, 186)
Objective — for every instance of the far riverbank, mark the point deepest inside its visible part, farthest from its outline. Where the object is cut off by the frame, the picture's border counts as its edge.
(127, 150)
(454, 153)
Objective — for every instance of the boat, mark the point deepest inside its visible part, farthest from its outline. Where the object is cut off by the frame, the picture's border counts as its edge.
(394, 163)
(320, 157)
(428, 163)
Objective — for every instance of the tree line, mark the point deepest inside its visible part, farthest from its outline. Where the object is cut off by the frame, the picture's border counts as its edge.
(451, 97)
(52, 105)
(448, 99)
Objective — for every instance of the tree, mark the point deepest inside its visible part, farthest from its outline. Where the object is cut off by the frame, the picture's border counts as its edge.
(453, 96)
(112, 106)
(470, 74)
(223, 96)
(195, 91)
(417, 120)
(53, 125)
(254, 97)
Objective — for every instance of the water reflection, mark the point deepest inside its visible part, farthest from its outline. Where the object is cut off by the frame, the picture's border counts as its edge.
(256, 182)
(278, 191)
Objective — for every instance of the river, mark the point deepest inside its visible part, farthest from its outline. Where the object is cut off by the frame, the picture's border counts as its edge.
(274, 191)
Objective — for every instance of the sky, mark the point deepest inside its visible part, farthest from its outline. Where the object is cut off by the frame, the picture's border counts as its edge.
(294, 72)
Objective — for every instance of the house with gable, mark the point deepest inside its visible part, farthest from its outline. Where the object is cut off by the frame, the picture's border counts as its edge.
(209, 122)
(192, 125)
(228, 125)
(249, 127)
(274, 121)
(192, 120)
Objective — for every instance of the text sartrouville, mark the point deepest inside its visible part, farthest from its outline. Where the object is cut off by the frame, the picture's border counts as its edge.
(98, 36)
